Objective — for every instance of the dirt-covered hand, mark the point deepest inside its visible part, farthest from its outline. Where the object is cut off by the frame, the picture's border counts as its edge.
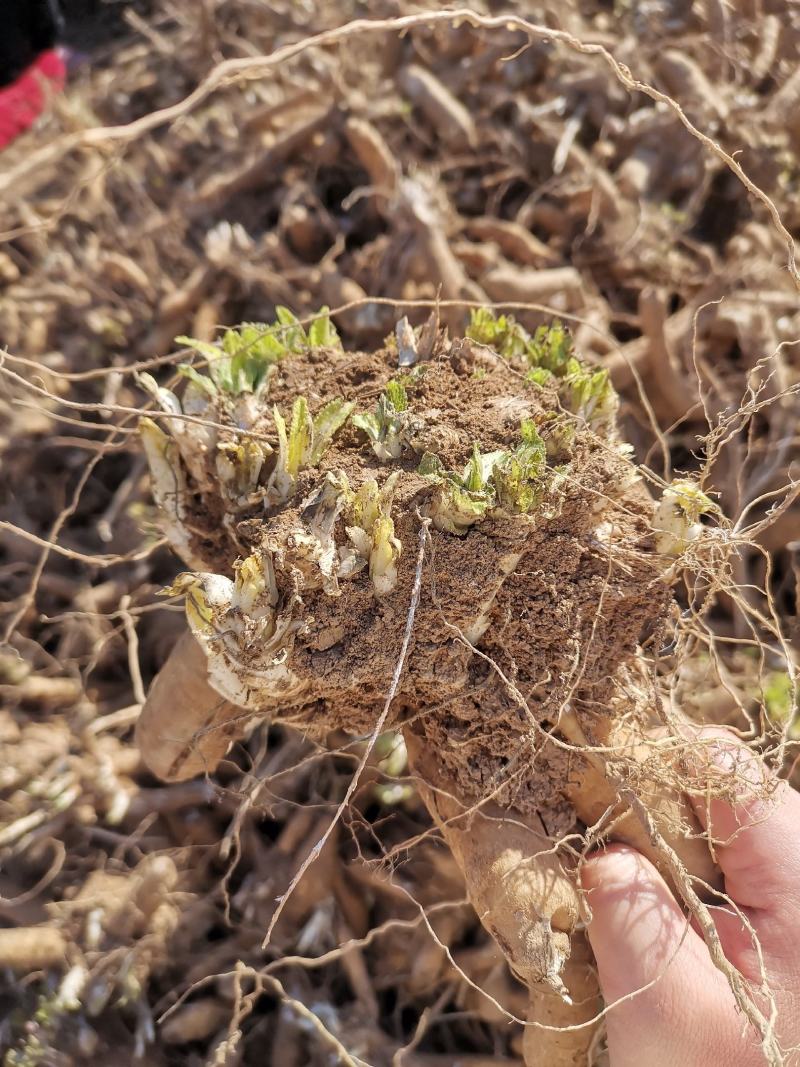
(670, 1006)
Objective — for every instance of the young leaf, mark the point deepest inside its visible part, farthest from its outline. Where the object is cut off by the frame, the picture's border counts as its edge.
(387, 425)
(384, 555)
(430, 466)
(301, 431)
(322, 333)
(591, 396)
(292, 333)
(397, 395)
(326, 424)
(478, 470)
(200, 380)
(204, 348)
(539, 376)
(551, 348)
(303, 444)
(454, 509)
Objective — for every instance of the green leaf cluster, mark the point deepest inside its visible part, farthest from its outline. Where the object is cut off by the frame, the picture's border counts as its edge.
(303, 442)
(549, 352)
(511, 480)
(590, 395)
(550, 356)
(385, 425)
(371, 530)
(551, 349)
(500, 332)
(242, 360)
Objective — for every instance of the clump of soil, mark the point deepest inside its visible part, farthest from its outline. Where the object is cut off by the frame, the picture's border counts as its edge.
(520, 617)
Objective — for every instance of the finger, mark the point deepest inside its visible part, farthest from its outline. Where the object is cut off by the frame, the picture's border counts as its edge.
(755, 832)
(682, 1009)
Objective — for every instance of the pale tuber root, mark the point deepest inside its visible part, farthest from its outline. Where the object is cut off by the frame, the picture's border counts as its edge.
(31, 948)
(543, 1046)
(527, 898)
(186, 727)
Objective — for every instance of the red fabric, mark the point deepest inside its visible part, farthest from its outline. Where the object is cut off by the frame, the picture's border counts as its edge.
(22, 102)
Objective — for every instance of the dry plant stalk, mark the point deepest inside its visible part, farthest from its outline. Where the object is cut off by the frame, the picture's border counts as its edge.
(520, 685)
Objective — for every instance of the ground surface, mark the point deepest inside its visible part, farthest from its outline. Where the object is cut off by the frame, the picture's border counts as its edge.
(530, 175)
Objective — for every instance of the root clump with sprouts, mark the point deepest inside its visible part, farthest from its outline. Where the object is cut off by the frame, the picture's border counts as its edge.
(293, 478)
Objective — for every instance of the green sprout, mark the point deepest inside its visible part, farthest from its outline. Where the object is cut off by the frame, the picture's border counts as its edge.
(370, 529)
(243, 360)
(551, 349)
(677, 516)
(517, 475)
(303, 443)
(460, 500)
(239, 465)
(386, 427)
(550, 356)
(539, 376)
(510, 480)
(311, 546)
(500, 332)
(591, 396)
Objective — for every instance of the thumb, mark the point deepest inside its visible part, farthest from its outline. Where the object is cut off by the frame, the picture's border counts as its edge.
(674, 1006)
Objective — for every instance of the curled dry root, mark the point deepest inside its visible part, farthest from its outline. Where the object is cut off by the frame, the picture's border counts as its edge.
(292, 477)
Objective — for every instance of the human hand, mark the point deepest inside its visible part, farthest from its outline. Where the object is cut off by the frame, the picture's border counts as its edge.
(680, 1010)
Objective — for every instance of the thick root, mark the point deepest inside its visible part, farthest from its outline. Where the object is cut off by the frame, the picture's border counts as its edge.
(566, 1048)
(526, 897)
(31, 948)
(186, 727)
(521, 889)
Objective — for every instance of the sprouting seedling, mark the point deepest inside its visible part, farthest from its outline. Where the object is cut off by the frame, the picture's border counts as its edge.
(676, 519)
(460, 500)
(243, 360)
(243, 628)
(500, 332)
(239, 464)
(591, 396)
(551, 349)
(386, 426)
(369, 527)
(371, 531)
(518, 475)
(548, 353)
(511, 480)
(303, 443)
